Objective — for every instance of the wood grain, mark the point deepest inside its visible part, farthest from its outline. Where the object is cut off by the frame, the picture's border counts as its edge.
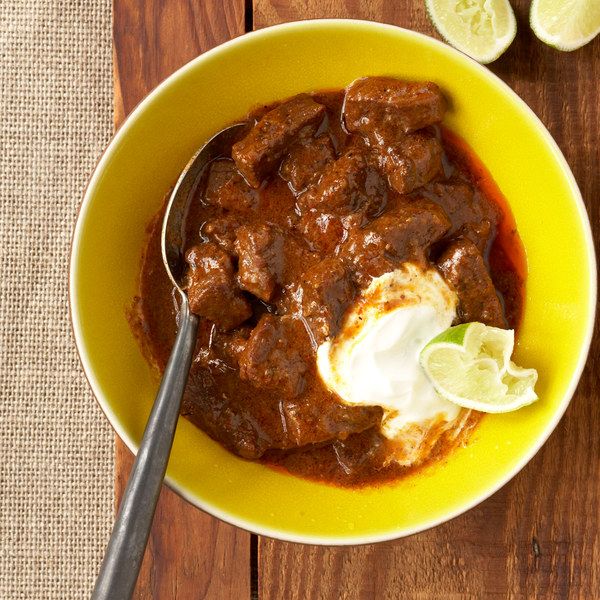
(272, 12)
(190, 554)
(538, 537)
(153, 38)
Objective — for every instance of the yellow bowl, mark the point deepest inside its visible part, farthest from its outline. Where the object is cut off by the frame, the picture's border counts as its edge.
(144, 159)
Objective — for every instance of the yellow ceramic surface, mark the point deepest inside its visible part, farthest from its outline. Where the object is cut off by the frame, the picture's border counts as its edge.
(145, 158)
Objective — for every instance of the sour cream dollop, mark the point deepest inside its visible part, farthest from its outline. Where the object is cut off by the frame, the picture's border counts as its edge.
(374, 358)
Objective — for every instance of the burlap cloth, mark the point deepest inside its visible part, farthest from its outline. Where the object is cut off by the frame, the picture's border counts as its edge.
(56, 450)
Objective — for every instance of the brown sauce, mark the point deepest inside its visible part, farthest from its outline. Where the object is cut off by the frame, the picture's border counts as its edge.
(254, 386)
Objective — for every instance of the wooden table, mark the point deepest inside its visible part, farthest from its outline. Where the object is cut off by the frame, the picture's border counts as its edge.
(539, 536)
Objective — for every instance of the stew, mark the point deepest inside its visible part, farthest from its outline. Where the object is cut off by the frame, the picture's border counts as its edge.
(323, 194)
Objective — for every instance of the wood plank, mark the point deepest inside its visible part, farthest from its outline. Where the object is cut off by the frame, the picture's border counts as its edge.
(273, 12)
(538, 537)
(153, 38)
(190, 554)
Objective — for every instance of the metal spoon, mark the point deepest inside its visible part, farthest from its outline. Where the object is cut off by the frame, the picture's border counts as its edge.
(123, 558)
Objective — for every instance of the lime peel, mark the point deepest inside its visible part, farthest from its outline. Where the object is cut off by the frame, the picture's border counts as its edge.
(482, 29)
(470, 366)
(565, 24)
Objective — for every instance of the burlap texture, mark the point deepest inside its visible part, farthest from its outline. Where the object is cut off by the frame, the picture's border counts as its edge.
(56, 450)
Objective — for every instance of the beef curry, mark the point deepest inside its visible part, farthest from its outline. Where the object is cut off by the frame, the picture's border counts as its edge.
(322, 194)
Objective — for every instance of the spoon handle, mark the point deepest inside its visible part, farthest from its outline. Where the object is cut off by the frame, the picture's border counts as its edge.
(123, 558)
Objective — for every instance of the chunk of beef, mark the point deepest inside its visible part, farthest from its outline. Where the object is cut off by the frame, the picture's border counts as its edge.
(260, 249)
(211, 287)
(324, 294)
(272, 358)
(410, 226)
(216, 349)
(306, 161)
(280, 402)
(260, 152)
(481, 234)
(404, 232)
(463, 267)
(346, 185)
(226, 188)
(206, 403)
(233, 345)
(325, 232)
(323, 419)
(472, 215)
(221, 231)
(412, 162)
(279, 356)
(384, 109)
(330, 208)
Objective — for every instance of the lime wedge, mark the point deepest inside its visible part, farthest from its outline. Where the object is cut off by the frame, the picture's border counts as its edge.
(470, 365)
(483, 29)
(565, 24)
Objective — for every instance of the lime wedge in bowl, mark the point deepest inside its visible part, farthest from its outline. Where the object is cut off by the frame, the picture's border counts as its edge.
(565, 24)
(470, 365)
(483, 29)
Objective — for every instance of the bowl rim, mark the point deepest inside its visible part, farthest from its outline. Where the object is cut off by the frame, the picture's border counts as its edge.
(214, 510)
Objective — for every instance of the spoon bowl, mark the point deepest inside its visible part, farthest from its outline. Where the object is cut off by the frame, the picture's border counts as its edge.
(173, 228)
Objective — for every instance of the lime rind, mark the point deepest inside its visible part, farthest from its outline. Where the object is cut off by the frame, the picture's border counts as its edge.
(453, 335)
(482, 29)
(470, 366)
(565, 24)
